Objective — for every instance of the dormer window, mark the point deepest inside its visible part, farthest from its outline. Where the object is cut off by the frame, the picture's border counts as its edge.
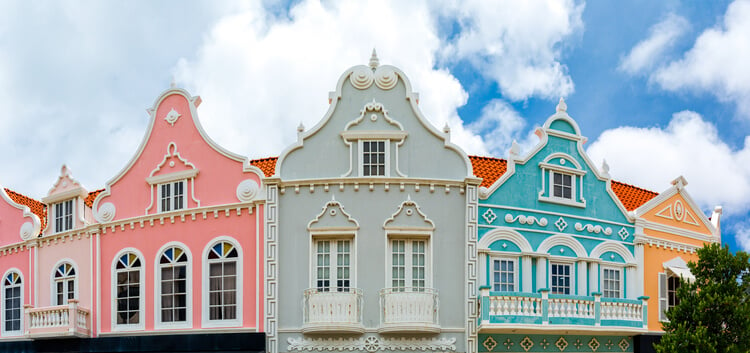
(172, 196)
(374, 158)
(562, 185)
(63, 216)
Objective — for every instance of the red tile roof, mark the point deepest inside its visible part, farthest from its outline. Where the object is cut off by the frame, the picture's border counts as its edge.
(37, 207)
(490, 169)
(89, 201)
(267, 165)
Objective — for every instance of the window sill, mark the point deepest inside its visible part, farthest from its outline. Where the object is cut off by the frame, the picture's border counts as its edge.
(563, 201)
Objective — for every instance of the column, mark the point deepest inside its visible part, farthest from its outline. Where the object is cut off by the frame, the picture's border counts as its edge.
(528, 277)
(639, 258)
(541, 273)
(582, 278)
(593, 277)
(631, 278)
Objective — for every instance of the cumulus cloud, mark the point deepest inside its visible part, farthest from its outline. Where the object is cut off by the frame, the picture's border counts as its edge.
(500, 125)
(742, 234)
(518, 44)
(646, 54)
(688, 146)
(717, 62)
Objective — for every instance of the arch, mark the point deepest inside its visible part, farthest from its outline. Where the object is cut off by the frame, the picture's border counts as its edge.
(158, 324)
(205, 284)
(141, 291)
(20, 285)
(560, 239)
(614, 247)
(564, 156)
(504, 234)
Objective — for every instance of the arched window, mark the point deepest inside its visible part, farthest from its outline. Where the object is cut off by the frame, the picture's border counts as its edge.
(128, 289)
(173, 267)
(222, 281)
(12, 300)
(65, 283)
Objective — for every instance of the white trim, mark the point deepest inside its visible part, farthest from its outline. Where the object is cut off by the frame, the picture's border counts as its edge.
(559, 239)
(53, 215)
(514, 260)
(172, 196)
(387, 154)
(504, 234)
(374, 135)
(176, 176)
(141, 292)
(205, 282)
(65, 195)
(504, 207)
(408, 276)
(572, 280)
(158, 325)
(53, 282)
(621, 271)
(642, 223)
(615, 247)
(352, 237)
(20, 331)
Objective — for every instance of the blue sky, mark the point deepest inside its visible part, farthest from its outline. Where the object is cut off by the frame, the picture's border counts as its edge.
(660, 88)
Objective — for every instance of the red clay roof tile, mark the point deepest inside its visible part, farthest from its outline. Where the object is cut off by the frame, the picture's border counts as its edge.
(89, 201)
(267, 165)
(631, 196)
(37, 207)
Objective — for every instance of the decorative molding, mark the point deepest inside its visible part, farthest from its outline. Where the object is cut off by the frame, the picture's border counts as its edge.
(335, 218)
(172, 117)
(402, 219)
(504, 234)
(107, 212)
(371, 344)
(623, 233)
(472, 268)
(666, 244)
(530, 220)
(561, 224)
(247, 190)
(385, 78)
(593, 228)
(171, 153)
(489, 216)
(361, 78)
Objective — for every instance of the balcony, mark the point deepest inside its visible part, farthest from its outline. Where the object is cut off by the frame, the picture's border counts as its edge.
(409, 310)
(542, 311)
(57, 321)
(337, 310)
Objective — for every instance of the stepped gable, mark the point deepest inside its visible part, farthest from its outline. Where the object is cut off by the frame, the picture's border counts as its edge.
(37, 207)
(267, 165)
(631, 196)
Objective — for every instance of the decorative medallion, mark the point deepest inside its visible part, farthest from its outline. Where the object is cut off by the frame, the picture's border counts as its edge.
(544, 343)
(372, 344)
(594, 344)
(561, 343)
(489, 216)
(623, 233)
(623, 344)
(172, 117)
(561, 224)
(508, 344)
(527, 343)
(609, 344)
(489, 343)
(578, 344)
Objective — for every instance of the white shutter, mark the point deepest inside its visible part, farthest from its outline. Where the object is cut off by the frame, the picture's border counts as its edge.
(663, 297)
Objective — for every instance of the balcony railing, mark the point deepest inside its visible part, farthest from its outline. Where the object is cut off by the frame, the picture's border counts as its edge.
(57, 321)
(409, 310)
(546, 311)
(333, 309)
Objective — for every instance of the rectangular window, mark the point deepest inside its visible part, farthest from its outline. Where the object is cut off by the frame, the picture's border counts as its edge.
(340, 275)
(174, 293)
(673, 284)
(373, 158)
(611, 283)
(222, 290)
(409, 270)
(503, 275)
(13, 308)
(562, 185)
(172, 196)
(560, 278)
(63, 216)
(128, 297)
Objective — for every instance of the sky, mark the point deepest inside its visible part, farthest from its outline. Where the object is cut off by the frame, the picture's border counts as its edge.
(660, 88)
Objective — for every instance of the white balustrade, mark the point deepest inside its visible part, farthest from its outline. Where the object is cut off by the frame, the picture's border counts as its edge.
(409, 309)
(508, 305)
(334, 309)
(60, 320)
(622, 311)
(571, 307)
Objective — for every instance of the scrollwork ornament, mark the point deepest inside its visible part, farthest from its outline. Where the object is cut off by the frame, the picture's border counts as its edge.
(247, 190)
(385, 78)
(107, 212)
(361, 78)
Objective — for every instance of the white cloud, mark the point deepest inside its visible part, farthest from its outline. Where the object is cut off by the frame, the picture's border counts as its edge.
(517, 44)
(646, 54)
(718, 61)
(742, 234)
(500, 125)
(688, 146)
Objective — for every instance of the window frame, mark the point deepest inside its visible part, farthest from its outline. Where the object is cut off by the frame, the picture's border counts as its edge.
(206, 320)
(20, 331)
(571, 277)
(141, 292)
(515, 272)
(64, 216)
(408, 263)
(158, 323)
(673, 285)
(172, 197)
(386, 154)
(333, 267)
(553, 184)
(54, 280)
(620, 281)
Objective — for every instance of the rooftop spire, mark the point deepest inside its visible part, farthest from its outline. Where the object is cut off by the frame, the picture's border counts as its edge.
(374, 62)
(562, 107)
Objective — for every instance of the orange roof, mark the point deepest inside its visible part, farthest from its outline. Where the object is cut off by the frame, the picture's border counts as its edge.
(631, 196)
(37, 207)
(267, 165)
(489, 169)
(89, 201)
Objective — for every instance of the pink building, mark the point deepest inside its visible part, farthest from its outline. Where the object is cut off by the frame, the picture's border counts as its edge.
(167, 256)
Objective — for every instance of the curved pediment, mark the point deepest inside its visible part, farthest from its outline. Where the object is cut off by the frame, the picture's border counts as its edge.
(409, 217)
(333, 218)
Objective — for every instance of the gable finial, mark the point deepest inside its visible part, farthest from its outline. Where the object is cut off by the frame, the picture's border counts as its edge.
(172, 84)
(605, 168)
(515, 149)
(300, 127)
(446, 128)
(561, 106)
(374, 61)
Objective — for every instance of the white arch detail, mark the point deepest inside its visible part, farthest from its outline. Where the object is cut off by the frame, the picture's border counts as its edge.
(614, 247)
(504, 234)
(561, 240)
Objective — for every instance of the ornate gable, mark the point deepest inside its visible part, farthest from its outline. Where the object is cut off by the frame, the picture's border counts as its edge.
(16, 220)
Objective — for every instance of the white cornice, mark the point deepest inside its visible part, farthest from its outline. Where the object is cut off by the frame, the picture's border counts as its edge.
(164, 178)
(642, 223)
(65, 195)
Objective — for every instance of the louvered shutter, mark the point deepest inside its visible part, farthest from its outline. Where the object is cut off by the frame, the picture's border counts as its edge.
(663, 297)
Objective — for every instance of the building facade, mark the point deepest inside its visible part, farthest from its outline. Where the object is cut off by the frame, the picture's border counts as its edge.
(371, 233)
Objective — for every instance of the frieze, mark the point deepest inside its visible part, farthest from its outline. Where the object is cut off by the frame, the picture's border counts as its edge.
(554, 343)
(371, 344)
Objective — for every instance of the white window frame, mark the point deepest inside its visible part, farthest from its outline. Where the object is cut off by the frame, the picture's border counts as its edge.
(620, 281)
(387, 153)
(572, 185)
(141, 292)
(172, 199)
(20, 331)
(408, 270)
(333, 263)
(65, 216)
(54, 281)
(672, 292)
(158, 324)
(205, 310)
(571, 275)
(515, 272)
